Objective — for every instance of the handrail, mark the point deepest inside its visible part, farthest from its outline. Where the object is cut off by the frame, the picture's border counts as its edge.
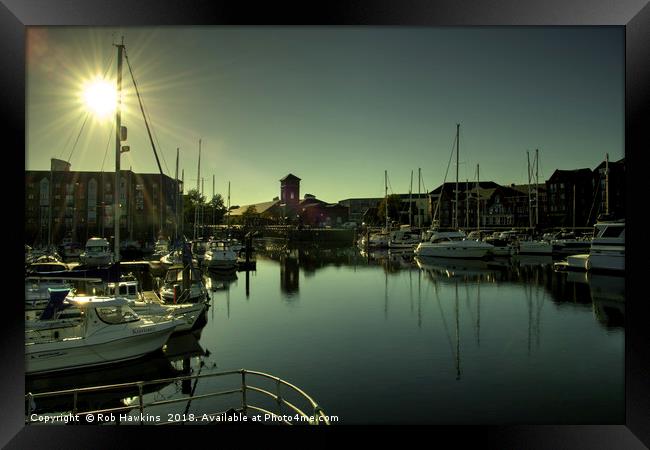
(315, 418)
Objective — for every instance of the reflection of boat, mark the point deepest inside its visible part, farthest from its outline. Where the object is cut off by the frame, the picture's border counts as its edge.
(451, 268)
(107, 331)
(533, 260)
(608, 297)
(452, 244)
(220, 281)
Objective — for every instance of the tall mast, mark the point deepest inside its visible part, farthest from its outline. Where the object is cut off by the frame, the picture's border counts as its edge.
(118, 132)
(386, 197)
(198, 191)
(202, 210)
(536, 187)
(410, 203)
(176, 194)
(213, 208)
(530, 200)
(418, 204)
(606, 183)
(466, 203)
(457, 150)
(478, 200)
(229, 207)
(183, 212)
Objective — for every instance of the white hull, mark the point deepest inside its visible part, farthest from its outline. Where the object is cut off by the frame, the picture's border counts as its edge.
(577, 262)
(92, 351)
(186, 314)
(535, 248)
(99, 260)
(457, 251)
(607, 262)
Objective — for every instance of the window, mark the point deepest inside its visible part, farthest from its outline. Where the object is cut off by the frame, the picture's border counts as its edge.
(116, 314)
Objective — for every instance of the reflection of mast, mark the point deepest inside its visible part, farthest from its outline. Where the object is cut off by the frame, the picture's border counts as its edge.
(386, 294)
(457, 338)
(419, 299)
(478, 314)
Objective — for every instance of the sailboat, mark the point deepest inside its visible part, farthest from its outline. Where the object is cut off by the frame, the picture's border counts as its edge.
(453, 244)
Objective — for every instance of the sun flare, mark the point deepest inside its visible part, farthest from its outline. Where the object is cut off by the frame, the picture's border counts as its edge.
(100, 97)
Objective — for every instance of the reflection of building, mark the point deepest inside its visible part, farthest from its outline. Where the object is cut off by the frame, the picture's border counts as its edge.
(83, 204)
(289, 274)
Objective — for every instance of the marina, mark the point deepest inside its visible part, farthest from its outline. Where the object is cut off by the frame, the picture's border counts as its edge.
(476, 300)
(468, 325)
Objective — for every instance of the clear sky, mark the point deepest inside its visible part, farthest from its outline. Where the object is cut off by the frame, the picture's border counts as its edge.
(335, 106)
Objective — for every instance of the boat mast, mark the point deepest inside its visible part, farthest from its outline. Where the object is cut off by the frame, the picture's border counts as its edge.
(386, 197)
(213, 208)
(466, 203)
(457, 150)
(182, 212)
(118, 132)
(607, 183)
(198, 192)
(228, 207)
(536, 187)
(418, 203)
(176, 197)
(478, 200)
(410, 204)
(530, 200)
(574, 207)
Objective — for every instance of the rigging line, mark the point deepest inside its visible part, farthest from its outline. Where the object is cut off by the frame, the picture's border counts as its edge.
(146, 123)
(155, 135)
(110, 135)
(78, 136)
(435, 214)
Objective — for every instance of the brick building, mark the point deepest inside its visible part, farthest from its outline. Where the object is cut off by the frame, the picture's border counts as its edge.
(83, 205)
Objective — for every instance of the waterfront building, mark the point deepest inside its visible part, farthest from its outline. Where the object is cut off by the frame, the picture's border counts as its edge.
(82, 204)
(570, 195)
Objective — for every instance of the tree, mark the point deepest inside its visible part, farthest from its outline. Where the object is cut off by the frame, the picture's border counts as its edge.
(394, 208)
(215, 208)
(249, 215)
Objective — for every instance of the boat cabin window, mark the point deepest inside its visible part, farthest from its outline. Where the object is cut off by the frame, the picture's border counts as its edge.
(98, 249)
(609, 231)
(116, 314)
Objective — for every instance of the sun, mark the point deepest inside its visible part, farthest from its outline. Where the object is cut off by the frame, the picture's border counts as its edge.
(100, 97)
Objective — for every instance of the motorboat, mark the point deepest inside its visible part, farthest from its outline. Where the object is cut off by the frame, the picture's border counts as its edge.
(97, 253)
(531, 247)
(47, 268)
(502, 246)
(160, 249)
(606, 253)
(152, 305)
(171, 292)
(220, 256)
(107, 331)
(453, 244)
(70, 249)
(607, 250)
(569, 244)
(404, 238)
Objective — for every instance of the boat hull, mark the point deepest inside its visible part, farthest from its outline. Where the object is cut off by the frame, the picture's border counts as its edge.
(440, 251)
(87, 352)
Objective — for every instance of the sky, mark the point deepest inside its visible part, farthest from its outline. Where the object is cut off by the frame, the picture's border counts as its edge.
(335, 106)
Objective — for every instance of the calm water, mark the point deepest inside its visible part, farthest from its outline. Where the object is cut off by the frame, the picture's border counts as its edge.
(384, 338)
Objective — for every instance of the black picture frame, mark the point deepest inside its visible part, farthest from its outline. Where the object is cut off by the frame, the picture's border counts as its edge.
(634, 15)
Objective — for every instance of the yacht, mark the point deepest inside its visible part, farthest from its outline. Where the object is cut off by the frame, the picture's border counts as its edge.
(152, 305)
(106, 331)
(97, 253)
(220, 256)
(405, 237)
(171, 291)
(160, 249)
(530, 247)
(607, 250)
(453, 244)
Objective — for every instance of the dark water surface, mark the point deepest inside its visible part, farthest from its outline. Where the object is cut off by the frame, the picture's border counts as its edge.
(385, 338)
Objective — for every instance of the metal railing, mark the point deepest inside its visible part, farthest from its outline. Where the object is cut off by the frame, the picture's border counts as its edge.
(317, 416)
